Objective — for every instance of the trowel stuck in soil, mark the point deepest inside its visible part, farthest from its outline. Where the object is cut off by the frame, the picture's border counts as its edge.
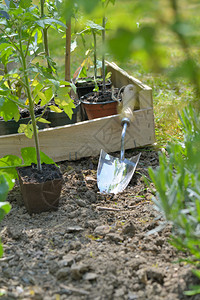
(114, 174)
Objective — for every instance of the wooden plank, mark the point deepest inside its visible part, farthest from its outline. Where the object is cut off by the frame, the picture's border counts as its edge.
(120, 78)
(86, 138)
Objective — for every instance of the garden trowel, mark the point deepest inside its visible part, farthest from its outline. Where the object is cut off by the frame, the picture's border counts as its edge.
(114, 174)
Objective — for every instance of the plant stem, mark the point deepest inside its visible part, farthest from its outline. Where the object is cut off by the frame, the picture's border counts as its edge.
(45, 36)
(31, 105)
(67, 51)
(103, 53)
(95, 54)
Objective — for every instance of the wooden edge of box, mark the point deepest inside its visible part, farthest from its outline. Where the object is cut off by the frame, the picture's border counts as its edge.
(83, 139)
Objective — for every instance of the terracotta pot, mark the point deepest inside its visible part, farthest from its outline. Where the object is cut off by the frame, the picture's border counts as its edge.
(95, 108)
(40, 196)
(100, 110)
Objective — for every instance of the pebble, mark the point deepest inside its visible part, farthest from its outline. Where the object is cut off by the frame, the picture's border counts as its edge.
(129, 229)
(80, 202)
(66, 261)
(63, 273)
(77, 228)
(102, 230)
(155, 274)
(90, 276)
(115, 237)
(77, 271)
(91, 196)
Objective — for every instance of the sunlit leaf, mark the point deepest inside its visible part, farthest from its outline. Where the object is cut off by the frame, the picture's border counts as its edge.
(29, 156)
(55, 108)
(42, 120)
(25, 3)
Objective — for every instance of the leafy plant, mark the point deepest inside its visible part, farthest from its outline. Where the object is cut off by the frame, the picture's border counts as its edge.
(5, 185)
(177, 181)
(94, 30)
(21, 29)
(104, 4)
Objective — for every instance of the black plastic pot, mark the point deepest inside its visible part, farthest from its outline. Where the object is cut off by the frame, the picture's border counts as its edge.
(40, 196)
(86, 86)
(60, 119)
(11, 126)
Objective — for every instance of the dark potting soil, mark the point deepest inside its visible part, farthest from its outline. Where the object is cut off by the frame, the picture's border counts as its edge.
(88, 81)
(24, 112)
(32, 175)
(101, 96)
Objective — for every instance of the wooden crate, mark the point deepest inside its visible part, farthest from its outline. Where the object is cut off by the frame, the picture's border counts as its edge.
(87, 138)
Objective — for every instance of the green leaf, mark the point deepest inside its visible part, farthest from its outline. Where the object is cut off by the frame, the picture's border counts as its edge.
(48, 94)
(63, 92)
(1, 253)
(94, 26)
(4, 188)
(5, 206)
(49, 21)
(4, 209)
(42, 120)
(7, 166)
(25, 3)
(12, 4)
(55, 108)
(29, 156)
(27, 129)
(9, 109)
(42, 96)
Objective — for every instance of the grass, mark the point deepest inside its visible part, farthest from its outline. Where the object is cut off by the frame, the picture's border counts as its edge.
(169, 96)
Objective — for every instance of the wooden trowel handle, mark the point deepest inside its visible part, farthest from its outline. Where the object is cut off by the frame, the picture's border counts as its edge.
(129, 99)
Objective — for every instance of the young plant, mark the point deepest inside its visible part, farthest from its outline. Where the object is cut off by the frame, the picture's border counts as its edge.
(177, 181)
(21, 29)
(5, 185)
(104, 4)
(94, 30)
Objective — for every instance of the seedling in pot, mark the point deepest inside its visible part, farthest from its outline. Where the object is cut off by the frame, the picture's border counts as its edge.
(21, 28)
(94, 30)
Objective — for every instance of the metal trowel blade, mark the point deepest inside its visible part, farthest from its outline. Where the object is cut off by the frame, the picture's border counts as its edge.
(114, 175)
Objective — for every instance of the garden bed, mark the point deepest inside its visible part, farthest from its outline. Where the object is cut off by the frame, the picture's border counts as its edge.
(94, 246)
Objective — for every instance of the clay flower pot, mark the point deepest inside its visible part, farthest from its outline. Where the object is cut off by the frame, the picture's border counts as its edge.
(40, 190)
(100, 104)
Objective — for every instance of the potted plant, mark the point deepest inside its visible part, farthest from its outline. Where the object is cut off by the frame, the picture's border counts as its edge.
(21, 29)
(85, 83)
(101, 102)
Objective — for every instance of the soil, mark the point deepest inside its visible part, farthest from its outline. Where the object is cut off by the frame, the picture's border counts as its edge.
(86, 85)
(24, 112)
(95, 246)
(101, 96)
(33, 175)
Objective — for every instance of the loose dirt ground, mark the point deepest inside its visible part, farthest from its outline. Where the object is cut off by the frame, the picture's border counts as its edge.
(95, 246)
